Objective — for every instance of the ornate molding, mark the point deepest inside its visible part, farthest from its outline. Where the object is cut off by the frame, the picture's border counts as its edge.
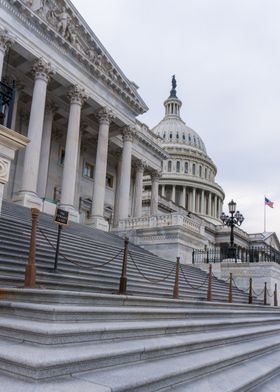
(105, 116)
(5, 41)
(42, 69)
(58, 22)
(128, 133)
(155, 175)
(77, 95)
(4, 170)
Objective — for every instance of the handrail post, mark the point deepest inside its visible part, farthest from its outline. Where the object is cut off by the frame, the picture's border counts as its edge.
(177, 277)
(250, 299)
(230, 288)
(193, 256)
(209, 291)
(30, 269)
(265, 294)
(275, 296)
(123, 278)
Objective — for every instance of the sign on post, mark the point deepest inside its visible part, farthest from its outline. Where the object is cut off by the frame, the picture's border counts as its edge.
(61, 217)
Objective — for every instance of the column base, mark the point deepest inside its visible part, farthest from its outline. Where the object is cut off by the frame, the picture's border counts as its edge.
(28, 199)
(74, 215)
(98, 222)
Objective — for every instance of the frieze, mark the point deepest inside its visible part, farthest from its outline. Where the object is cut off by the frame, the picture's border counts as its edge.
(59, 16)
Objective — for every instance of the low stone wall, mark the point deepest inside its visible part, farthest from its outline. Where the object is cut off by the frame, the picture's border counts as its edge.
(260, 273)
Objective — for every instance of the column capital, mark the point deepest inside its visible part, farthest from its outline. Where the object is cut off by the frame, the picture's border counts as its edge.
(51, 107)
(155, 175)
(140, 165)
(42, 69)
(5, 41)
(105, 115)
(128, 133)
(77, 95)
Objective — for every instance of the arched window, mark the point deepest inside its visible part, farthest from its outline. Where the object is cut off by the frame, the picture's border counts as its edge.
(169, 167)
(200, 171)
(177, 136)
(186, 167)
(184, 137)
(178, 166)
(164, 135)
(170, 135)
(205, 175)
(190, 139)
(193, 169)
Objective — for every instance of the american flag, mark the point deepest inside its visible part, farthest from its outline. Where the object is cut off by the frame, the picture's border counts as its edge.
(268, 202)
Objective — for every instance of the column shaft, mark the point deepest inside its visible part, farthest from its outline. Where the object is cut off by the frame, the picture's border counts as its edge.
(193, 200)
(163, 194)
(210, 204)
(99, 188)
(154, 194)
(202, 202)
(125, 173)
(77, 97)
(32, 154)
(138, 190)
(183, 197)
(45, 152)
(173, 195)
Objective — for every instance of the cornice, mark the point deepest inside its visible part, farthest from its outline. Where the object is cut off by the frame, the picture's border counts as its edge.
(79, 42)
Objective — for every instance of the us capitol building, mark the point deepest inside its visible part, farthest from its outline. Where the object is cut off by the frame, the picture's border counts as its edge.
(88, 152)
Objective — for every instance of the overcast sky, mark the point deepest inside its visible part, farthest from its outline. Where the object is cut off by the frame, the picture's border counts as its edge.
(226, 57)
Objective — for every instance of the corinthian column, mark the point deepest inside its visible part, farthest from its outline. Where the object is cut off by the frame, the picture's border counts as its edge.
(5, 43)
(155, 176)
(28, 193)
(45, 150)
(105, 116)
(123, 204)
(138, 189)
(77, 98)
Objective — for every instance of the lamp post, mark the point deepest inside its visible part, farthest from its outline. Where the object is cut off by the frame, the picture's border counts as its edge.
(235, 219)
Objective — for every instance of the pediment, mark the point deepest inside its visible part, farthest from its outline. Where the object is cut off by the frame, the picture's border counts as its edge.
(63, 21)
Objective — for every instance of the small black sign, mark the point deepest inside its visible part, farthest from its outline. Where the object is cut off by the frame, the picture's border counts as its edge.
(61, 217)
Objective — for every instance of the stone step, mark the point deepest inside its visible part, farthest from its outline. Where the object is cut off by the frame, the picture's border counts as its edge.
(33, 331)
(58, 361)
(159, 373)
(260, 374)
(83, 313)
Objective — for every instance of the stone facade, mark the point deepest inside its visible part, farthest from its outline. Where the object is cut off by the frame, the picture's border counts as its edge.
(88, 152)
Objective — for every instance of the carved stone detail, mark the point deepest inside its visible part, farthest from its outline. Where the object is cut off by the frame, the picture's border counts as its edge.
(105, 115)
(5, 40)
(155, 175)
(42, 69)
(128, 134)
(4, 170)
(77, 95)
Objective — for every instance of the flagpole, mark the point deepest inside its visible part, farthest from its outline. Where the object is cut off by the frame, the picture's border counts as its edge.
(264, 215)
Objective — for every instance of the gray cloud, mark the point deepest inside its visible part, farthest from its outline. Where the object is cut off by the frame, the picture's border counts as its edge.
(226, 57)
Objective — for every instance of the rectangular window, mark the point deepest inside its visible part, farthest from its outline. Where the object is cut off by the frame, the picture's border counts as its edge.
(61, 157)
(109, 181)
(88, 170)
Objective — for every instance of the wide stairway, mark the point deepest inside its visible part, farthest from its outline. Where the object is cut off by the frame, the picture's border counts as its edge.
(74, 332)
(91, 260)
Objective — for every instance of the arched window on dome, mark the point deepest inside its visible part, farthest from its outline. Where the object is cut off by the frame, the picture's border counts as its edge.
(200, 171)
(164, 135)
(186, 167)
(169, 166)
(184, 136)
(194, 140)
(205, 173)
(177, 136)
(170, 136)
(190, 139)
(193, 169)
(178, 167)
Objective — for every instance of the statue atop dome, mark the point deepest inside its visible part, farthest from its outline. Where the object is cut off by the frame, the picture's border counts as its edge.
(173, 91)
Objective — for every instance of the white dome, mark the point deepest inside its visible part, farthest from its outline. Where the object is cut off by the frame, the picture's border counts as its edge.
(172, 128)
